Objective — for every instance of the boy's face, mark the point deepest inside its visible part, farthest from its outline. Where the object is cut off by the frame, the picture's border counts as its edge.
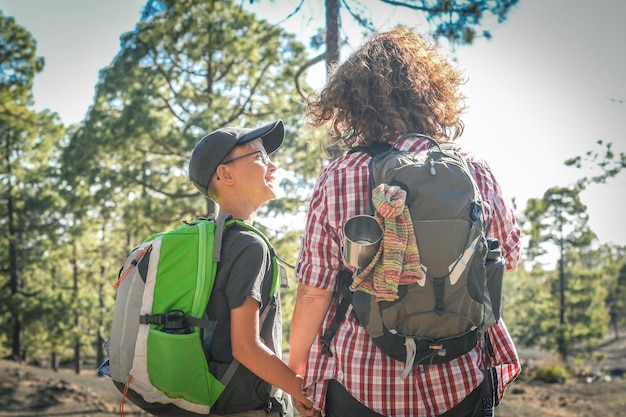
(252, 171)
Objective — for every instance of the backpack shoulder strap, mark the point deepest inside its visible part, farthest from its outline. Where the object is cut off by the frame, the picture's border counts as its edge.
(433, 142)
(490, 383)
(226, 220)
(345, 279)
(220, 225)
(373, 149)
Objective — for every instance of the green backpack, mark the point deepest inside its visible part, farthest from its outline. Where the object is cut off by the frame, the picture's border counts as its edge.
(156, 353)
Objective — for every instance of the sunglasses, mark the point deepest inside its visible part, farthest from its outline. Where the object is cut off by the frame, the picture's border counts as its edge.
(264, 157)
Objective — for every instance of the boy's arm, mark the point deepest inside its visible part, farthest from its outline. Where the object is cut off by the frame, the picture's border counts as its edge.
(250, 351)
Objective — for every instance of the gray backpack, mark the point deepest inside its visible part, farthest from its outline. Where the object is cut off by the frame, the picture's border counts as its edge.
(443, 318)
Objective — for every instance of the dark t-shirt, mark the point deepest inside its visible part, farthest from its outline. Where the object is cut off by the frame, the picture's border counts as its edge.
(245, 269)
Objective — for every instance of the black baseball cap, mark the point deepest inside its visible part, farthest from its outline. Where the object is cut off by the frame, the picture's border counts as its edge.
(211, 150)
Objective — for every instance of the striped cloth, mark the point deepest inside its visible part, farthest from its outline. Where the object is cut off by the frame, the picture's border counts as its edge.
(397, 261)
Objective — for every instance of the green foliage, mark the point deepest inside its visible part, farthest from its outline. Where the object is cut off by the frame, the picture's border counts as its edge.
(30, 219)
(617, 297)
(523, 306)
(196, 67)
(551, 373)
(18, 62)
(574, 305)
(605, 160)
(559, 218)
(532, 306)
(460, 20)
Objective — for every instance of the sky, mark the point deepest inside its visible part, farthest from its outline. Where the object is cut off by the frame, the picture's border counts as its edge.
(549, 84)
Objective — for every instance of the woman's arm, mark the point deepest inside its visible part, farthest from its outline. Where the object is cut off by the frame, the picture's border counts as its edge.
(311, 306)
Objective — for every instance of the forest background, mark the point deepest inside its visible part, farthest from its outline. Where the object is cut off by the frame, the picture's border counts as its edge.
(76, 198)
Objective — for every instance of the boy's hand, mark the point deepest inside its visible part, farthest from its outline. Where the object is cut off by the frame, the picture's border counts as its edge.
(306, 411)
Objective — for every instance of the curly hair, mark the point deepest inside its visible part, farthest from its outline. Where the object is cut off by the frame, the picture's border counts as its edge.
(395, 83)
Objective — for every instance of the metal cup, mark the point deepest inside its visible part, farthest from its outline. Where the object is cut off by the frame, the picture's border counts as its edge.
(362, 239)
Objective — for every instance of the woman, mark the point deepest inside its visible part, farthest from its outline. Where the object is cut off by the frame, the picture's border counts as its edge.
(395, 83)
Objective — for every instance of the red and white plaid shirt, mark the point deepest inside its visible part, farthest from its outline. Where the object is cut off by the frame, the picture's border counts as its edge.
(371, 377)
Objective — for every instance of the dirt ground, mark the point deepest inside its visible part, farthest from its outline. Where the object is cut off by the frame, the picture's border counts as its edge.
(27, 391)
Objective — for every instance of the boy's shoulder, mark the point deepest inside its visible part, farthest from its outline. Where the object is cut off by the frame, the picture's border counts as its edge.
(239, 239)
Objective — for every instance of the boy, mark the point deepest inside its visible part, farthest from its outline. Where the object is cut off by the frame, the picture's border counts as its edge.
(231, 166)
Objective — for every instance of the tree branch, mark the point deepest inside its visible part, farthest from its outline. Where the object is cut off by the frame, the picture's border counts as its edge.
(303, 68)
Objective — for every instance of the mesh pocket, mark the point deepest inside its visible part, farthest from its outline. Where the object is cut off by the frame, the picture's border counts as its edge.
(177, 366)
(495, 274)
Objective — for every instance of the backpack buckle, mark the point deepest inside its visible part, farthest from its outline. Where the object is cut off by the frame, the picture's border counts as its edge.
(325, 342)
(439, 349)
(477, 211)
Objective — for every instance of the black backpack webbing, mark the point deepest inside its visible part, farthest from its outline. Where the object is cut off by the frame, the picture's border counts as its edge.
(490, 383)
(344, 281)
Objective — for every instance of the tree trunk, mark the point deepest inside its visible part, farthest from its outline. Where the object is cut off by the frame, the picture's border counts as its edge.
(14, 281)
(562, 343)
(16, 348)
(54, 362)
(100, 337)
(332, 33)
(77, 352)
(332, 53)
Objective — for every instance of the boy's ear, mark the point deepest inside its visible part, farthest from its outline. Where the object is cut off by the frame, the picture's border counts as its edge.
(223, 173)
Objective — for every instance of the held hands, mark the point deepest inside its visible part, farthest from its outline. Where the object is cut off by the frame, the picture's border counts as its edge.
(304, 406)
(306, 411)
